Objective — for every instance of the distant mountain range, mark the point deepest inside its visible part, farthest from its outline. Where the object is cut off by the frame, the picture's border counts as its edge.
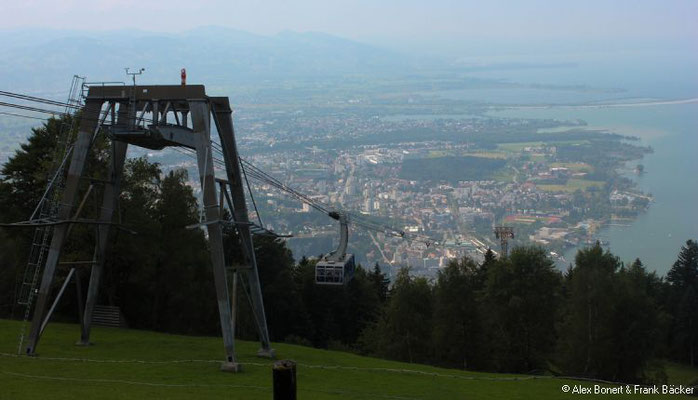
(44, 60)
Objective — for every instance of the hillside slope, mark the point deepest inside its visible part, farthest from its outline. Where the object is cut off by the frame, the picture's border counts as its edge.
(130, 364)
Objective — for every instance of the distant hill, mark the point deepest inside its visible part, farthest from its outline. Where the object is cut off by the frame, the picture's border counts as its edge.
(46, 59)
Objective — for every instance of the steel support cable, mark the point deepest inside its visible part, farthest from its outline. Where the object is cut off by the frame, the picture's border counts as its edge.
(374, 227)
(102, 115)
(23, 116)
(357, 219)
(20, 96)
(364, 223)
(298, 196)
(316, 204)
(220, 165)
(217, 147)
(61, 113)
(49, 102)
(30, 108)
(255, 175)
(99, 119)
(249, 189)
(37, 99)
(260, 176)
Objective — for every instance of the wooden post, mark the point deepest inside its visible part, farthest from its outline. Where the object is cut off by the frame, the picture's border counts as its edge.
(284, 376)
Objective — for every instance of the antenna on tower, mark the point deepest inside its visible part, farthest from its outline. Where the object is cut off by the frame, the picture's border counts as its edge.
(133, 74)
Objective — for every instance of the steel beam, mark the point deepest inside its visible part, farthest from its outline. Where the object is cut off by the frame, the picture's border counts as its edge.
(58, 298)
(224, 123)
(88, 124)
(201, 121)
(112, 189)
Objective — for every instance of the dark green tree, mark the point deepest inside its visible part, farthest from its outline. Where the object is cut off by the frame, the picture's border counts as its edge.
(490, 258)
(363, 305)
(683, 304)
(611, 325)
(521, 296)
(380, 282)
(183, 264)
(337, 314)
(285, 311)
(23, 181)
(458, 332)
(9, 273)
(404, 331)
(324, 305)
(636, 327)
(161, 277)
(132, 260)
(24, 176)
(585, 348)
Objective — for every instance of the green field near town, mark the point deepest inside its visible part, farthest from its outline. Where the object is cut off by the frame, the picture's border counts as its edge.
(572, 185)
(520, 146)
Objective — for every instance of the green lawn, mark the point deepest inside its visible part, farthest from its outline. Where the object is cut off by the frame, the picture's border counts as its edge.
(572, 185)
(504, 175)
(517, 147)
(130, 364)
(679, 374)
(574, 166)
(488, 154)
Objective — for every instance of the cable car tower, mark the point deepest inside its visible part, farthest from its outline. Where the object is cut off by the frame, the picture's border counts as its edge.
(156, 117)
(178, 116)
(504, 233)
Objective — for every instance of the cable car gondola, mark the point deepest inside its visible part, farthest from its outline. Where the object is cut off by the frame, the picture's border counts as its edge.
(337, 267)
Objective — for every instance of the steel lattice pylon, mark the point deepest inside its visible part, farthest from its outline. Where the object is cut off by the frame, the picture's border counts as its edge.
(191, 110)
(48, 207)
(504, 233)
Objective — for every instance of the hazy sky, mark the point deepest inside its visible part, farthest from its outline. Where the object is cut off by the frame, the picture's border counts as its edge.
(374, 20)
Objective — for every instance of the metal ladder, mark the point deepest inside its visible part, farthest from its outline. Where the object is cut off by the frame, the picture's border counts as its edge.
(48, 208)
